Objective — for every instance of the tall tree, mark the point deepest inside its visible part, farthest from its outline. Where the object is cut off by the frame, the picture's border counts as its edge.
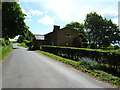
(101, 31)
(77, 26)
(27, 35)
(12, 20)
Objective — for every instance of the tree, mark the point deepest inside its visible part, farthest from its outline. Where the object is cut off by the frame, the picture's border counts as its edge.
(77, 42)
(80, 41)
(27, 35)
(77, 26)
(101, 31)
(12, 20)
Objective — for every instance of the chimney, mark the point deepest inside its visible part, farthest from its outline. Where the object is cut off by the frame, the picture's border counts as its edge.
(56, 27)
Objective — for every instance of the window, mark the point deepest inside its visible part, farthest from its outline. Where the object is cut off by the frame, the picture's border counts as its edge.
(68, 35)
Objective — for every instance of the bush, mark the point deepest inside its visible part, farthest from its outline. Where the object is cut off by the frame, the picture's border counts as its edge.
(100, 56)
(116, 47)
(28, 43)
(93, 45)
(4, 42)
(23, 45)
(77, 42)
(84, 66)
(7, 42)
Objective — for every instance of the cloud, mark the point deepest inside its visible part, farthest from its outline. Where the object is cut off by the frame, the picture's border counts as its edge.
(47, 20)
(109, 14)
(32, 12)
(115, 20)
(35, 12)
(29, 16)
(61, 8)
(27, 20)
(24, 11)
(70, 10)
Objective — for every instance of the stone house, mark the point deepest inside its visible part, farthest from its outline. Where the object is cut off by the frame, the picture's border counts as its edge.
(38, 40)
(58, 37)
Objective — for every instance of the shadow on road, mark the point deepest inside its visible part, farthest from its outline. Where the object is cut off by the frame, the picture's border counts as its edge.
(15, 48)
(30, 49)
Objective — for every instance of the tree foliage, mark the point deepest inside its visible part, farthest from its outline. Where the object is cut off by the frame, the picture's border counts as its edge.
(80, 41)
(100, 30)
(12, 20)
(77, 26)
(27, 35)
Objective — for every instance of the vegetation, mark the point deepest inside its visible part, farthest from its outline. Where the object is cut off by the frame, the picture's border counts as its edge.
(93, 45)
(13, 42)
(84, 66)
(108, 60)
(26, 39)
(23, 44)
(101, 31)
(5, 49)
(12, 20)
(27, 35)
(12, 25)
(77, 26)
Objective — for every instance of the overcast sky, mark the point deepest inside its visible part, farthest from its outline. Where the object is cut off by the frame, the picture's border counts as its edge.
(43, 14)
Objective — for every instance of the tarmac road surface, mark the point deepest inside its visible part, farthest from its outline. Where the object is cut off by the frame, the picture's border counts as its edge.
(29, 69)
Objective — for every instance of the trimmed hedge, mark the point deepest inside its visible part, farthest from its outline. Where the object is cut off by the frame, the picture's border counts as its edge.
(103, 57)
(100, 74)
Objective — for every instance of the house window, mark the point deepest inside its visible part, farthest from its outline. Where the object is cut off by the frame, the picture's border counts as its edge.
(68, 35)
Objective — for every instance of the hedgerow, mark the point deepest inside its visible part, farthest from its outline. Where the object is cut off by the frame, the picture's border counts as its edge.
(108, 59)
(82, 66)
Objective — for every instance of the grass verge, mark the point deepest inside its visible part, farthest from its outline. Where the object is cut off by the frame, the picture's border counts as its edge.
(22, 45)
(4, 51)
(99, 74)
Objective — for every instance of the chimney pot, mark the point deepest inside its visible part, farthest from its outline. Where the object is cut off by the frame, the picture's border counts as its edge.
(56, 27)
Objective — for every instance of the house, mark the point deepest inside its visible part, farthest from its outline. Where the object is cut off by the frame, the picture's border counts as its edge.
(61, 37)
(38, 40)
(58, 37)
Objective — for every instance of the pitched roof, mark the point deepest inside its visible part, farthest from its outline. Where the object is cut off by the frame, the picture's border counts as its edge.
(62, 29)
(39, 37)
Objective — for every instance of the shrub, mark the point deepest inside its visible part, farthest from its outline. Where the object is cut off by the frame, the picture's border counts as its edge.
(4, 42)
(93, 45)
(77, 42)
(116, 47)
(28, 43)
(100, 56)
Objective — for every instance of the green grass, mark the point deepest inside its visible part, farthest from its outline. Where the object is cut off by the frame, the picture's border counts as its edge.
(22, 45)
(4, 51)
(13, 42)
(99, 74)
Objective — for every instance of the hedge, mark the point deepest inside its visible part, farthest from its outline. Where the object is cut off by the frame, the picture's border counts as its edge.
(103, 57)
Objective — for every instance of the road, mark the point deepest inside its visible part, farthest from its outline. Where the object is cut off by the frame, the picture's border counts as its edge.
(29, 69)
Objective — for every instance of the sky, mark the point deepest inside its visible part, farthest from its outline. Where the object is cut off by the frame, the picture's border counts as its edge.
(43, 14)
